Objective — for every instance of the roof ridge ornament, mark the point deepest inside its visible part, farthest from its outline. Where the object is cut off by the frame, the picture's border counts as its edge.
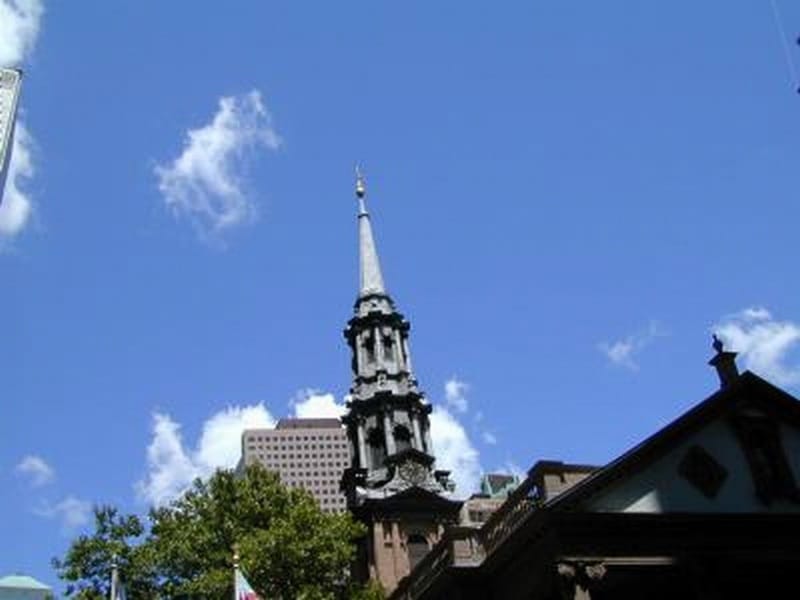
(724, 362)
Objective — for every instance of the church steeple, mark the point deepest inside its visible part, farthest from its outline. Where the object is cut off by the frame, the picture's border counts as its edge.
(388, 417)
(391, 485)
(370, 267)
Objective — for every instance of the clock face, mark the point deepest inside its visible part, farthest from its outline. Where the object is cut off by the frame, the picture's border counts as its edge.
(413, 472)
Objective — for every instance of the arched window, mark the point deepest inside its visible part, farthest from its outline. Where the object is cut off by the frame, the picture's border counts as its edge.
(417, 547)
(369, 347)
(377, 447)
(402, 438)
(388, 348)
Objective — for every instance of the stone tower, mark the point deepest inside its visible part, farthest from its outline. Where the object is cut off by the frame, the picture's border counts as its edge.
(391, 486)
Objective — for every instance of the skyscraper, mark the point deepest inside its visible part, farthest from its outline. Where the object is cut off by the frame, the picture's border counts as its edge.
(306, 453)
(392, 486)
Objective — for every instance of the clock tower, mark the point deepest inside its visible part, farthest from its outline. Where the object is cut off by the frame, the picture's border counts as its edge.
(391, 485)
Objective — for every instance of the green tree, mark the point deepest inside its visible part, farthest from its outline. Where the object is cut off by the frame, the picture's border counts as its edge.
(86, 567)
(289, 548)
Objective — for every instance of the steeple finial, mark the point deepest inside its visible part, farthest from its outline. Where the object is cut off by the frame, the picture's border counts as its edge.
(361, 191)
(371, 277)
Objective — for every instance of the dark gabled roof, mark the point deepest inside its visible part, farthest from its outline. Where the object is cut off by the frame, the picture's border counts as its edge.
(748, 388)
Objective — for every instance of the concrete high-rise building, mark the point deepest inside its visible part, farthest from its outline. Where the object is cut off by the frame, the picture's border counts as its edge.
(306, 453)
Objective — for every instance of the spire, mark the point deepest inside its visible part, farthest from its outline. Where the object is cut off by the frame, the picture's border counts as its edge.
(388, 427)
(370, 267)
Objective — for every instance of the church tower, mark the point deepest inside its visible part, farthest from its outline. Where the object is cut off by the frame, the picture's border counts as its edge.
(391, 486)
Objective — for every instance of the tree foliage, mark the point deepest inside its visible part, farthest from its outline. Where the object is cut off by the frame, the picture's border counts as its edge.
(289, 548)
(87, 565)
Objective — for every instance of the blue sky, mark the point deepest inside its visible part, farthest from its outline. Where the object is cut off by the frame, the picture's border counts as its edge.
(567, 198)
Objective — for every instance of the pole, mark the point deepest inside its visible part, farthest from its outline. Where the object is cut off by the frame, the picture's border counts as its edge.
(235, 569)
(114, 577)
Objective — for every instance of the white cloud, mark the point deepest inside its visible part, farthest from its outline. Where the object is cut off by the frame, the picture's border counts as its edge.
(624, 352)
(16, 206)
(753, 313)
(512, 468)
(454, 451)
(172, 465)
(205, 183)
(619, 352)
(311, 403)
(489, 438)
(455, 394)
(764, 343)
(71, 511)
(19, 28)
(36, 469)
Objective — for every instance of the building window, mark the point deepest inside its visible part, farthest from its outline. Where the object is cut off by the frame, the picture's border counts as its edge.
(377, 447)
(402, 437)
(369, 347)
(417, 547)
(388, 349)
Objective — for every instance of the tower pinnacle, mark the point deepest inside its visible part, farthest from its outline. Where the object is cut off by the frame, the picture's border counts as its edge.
(370, 267)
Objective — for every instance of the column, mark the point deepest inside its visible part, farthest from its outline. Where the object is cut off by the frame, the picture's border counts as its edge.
(387, 428)
(417, 432)
(362, 446)
(399, 351)
(401, 568)
(428, 442)
(577, 579)
(375, 545)
(379, 349)
(407, 352)
(361, 363)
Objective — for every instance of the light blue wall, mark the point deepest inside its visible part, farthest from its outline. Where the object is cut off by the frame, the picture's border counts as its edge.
(660, 488)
